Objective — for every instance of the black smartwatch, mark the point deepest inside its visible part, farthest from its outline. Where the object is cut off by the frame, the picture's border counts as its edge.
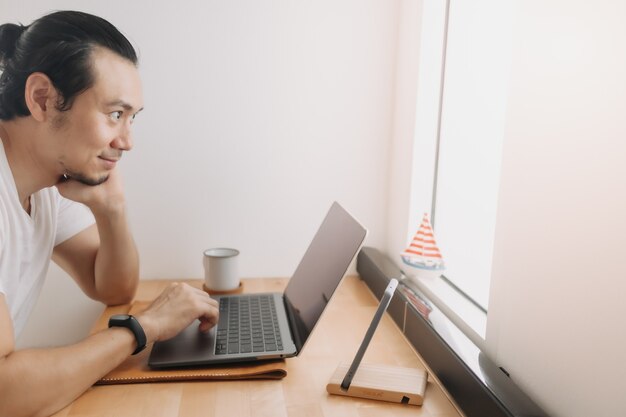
(131, 323)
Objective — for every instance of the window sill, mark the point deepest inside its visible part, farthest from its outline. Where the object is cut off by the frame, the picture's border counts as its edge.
(464, 314)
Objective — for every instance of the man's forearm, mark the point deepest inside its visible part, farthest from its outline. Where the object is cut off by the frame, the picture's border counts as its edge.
(116, 269)
(39, 382)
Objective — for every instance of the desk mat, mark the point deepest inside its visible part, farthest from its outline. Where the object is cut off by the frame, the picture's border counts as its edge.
(135, 369)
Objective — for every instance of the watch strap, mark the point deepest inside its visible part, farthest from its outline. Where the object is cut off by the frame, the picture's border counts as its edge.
(131, 323)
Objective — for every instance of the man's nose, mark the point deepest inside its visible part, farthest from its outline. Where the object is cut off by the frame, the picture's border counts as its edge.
(124, 140)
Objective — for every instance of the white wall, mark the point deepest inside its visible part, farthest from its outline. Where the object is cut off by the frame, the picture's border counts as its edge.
(258, 115)
(556, 312)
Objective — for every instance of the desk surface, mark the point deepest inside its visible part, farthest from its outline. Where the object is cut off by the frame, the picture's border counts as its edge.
(301, 393)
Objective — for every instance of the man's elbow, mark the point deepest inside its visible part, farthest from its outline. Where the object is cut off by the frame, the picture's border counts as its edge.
(117, 300)
(118, 296)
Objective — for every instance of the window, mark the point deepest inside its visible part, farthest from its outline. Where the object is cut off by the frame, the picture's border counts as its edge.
(470, 52)
(475, 87)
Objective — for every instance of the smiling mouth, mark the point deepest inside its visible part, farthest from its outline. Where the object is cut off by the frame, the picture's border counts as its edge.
(110, 159)
(108, 163)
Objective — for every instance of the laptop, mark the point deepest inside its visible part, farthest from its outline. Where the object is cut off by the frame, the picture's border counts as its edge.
(255, 327)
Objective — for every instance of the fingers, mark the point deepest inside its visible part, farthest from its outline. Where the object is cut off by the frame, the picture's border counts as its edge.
(210, 316)
(179, 305)
(207, 324)
(101, 193)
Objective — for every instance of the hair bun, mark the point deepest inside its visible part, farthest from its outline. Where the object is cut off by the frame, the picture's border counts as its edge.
(9, 34)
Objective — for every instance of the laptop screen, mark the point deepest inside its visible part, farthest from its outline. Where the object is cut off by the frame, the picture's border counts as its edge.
(325, 262)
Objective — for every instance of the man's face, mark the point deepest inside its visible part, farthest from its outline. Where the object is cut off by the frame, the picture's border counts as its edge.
(92, 135)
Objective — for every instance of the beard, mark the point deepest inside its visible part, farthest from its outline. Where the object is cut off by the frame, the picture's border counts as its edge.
(83, 179)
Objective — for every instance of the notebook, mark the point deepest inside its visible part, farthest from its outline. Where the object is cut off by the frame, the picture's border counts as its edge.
(286, 320)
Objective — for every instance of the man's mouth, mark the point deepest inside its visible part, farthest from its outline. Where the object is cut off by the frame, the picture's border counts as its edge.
(109, 161)
(111, 158)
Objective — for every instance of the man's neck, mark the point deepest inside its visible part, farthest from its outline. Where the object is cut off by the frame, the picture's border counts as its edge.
(28, 172)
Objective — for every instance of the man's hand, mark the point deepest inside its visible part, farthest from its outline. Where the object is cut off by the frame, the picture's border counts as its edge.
(173, 310)
(103, 260)
(103, 198)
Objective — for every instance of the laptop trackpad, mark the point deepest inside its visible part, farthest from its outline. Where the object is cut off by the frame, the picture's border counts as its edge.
(190, 345)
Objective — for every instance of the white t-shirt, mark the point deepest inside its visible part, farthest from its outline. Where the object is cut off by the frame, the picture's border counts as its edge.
(26, 242)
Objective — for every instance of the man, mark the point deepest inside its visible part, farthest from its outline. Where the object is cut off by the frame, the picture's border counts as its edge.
(69, 92)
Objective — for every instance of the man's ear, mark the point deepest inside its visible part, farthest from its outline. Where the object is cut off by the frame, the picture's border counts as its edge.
(40, 95)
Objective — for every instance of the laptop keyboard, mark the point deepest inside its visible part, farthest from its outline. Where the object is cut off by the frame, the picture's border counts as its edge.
(247, 324)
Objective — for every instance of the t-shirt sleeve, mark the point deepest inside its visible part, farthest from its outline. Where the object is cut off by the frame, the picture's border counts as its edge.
(72, 218)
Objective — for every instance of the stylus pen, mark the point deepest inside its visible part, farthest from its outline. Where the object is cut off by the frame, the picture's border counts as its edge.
(382, 307)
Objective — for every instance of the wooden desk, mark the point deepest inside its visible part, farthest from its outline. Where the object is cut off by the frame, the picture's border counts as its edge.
(301, 393)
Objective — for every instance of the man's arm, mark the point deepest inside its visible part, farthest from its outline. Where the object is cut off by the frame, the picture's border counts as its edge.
(39, 382)
(102, 259)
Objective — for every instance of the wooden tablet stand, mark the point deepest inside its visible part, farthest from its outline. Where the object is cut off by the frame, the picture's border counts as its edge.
(386, 383)
(382, 382)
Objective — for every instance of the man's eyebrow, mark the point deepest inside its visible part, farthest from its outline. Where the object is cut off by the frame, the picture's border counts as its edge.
(123, 104)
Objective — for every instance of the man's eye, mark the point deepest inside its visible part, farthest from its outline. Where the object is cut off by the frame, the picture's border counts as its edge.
(116, 115)
(132, 118)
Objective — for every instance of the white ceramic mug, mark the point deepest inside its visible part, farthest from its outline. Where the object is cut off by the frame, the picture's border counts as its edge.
(221, 272)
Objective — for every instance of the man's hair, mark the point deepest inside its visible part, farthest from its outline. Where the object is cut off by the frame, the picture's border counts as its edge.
(59, 45)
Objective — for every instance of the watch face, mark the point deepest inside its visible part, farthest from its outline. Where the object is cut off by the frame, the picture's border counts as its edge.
(119, 317)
